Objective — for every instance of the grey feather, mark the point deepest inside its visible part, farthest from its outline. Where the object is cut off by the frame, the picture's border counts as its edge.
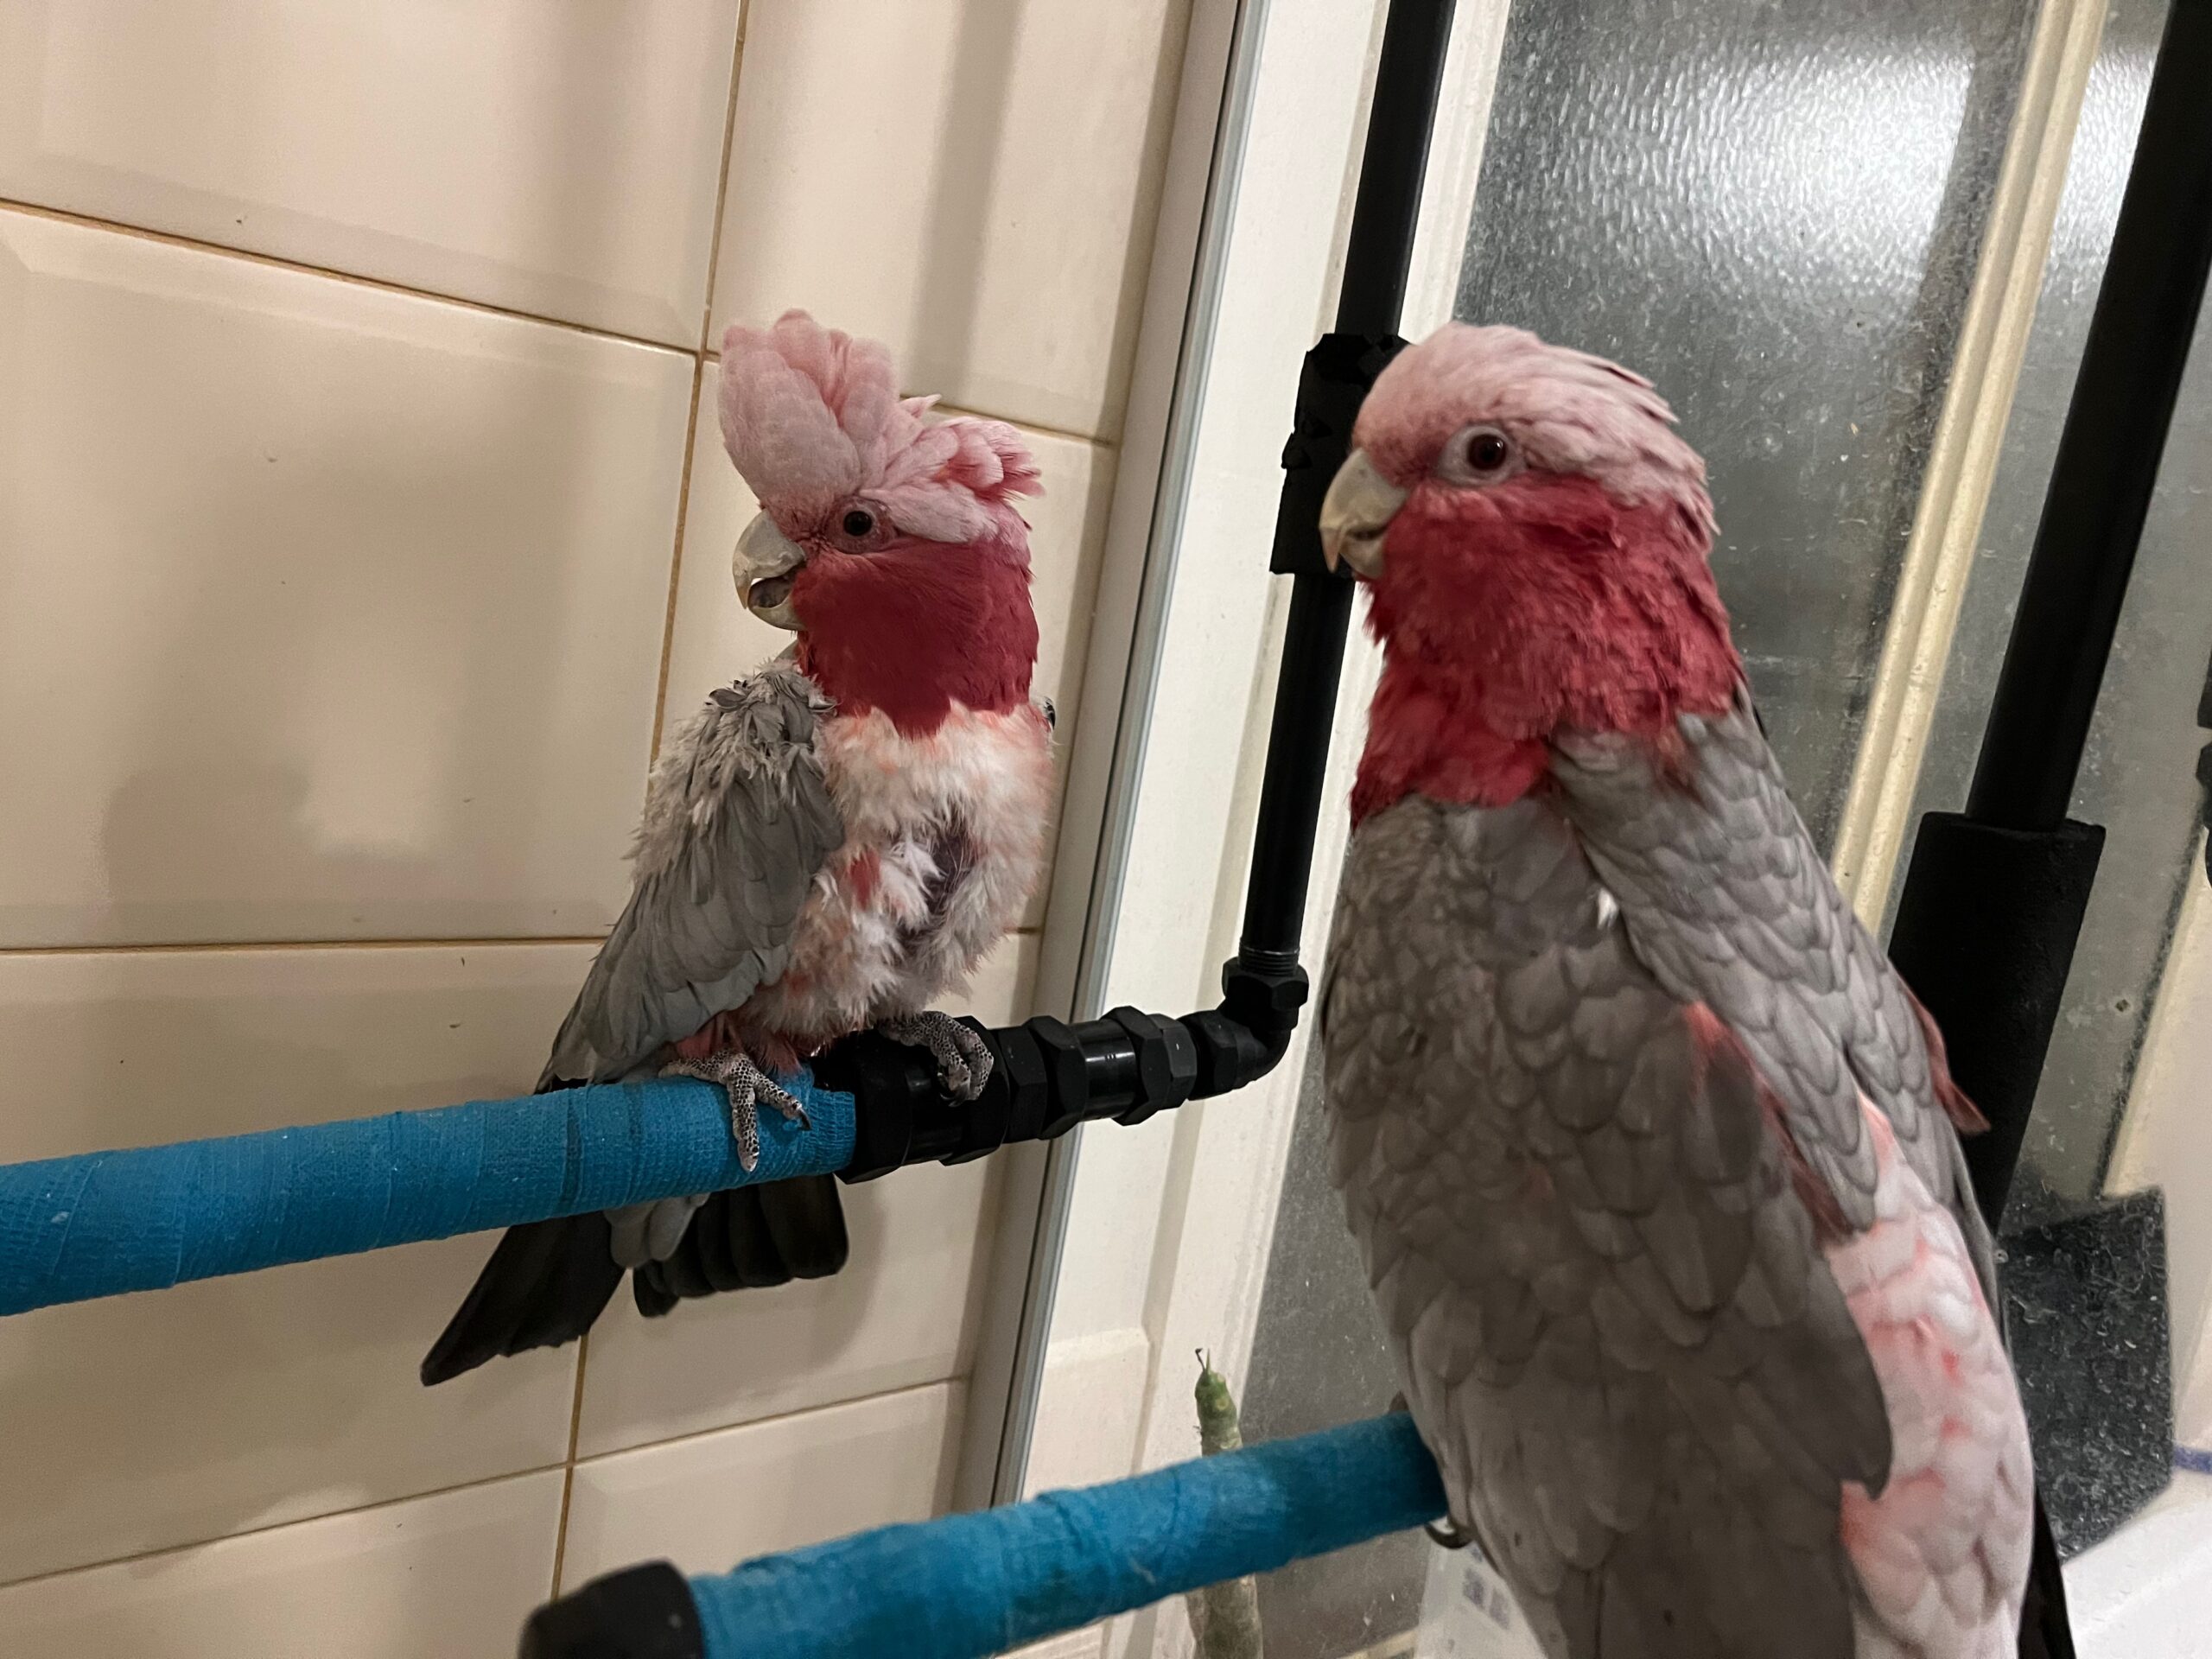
(1615, 1325)
(1727, 901)
(737, 820)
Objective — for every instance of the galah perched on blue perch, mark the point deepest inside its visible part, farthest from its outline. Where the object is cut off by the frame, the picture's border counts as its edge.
(1652, 1156)
(833, 842)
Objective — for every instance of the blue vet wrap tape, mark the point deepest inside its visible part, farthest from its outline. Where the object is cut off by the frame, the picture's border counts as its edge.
(967, 1586)
(109, 1222)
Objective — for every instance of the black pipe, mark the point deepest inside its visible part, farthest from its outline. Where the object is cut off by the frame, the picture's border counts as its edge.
(1298, 759)
(1264, 987)
(1379, 252)
(1993, 901)
(1995, 898)
(1049, 1076)
(2109, 454)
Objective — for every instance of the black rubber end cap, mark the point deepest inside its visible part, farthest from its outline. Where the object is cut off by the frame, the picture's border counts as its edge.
(641, 1612)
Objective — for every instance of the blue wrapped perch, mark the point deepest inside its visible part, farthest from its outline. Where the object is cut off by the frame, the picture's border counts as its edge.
(104, 1222)
(967, 1586)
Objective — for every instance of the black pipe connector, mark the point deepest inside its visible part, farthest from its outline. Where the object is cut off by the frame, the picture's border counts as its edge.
(1332, 386)
(1048, 1076)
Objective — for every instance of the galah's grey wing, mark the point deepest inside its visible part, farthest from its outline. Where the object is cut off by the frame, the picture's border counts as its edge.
(1615, 1325)
(738, 822)
(1729, 903)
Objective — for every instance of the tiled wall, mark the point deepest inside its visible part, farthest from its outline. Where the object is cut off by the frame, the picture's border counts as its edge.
(359, 493)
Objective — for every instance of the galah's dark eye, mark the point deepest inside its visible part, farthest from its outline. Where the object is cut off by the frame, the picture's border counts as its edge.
(858, 523)
(1477, 454)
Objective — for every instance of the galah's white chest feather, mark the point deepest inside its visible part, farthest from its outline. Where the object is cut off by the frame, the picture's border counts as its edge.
(944, 843)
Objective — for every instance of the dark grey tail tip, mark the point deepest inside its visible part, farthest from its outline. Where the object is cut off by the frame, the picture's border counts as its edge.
(641, 1612)
(445, 1361)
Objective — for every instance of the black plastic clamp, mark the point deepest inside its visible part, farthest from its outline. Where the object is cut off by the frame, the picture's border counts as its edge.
(1332, 385)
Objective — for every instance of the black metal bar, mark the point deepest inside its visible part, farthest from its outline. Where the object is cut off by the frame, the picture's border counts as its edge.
(1297, 758)
(1051, 1076)
(2109, 454)
(1993, 901)
(1264, 987)
(1379, 253)
(2030, 867)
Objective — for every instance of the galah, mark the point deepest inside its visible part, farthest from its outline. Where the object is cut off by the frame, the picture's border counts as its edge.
(833, 842)
(1652, 1156)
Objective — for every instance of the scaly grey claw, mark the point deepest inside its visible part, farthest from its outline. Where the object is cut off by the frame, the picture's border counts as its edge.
(748, 1088)
(963, 1059)
(1446, 1532)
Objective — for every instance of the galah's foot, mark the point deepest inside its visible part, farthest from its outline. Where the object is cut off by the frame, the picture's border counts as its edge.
(1446, 1533)
(963, 1059)
(749, 1088)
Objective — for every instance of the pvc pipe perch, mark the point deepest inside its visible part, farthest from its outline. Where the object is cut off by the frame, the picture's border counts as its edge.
(967, 1586)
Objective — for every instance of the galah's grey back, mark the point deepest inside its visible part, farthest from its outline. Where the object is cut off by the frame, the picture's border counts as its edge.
(738, 821)
(1646, 1398)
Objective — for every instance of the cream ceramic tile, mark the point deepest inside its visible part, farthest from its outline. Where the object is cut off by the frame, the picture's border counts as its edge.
(714, 1500)
(556, 156)
(902, 1312)
(716, 637)
(328, 611)
(973, 181)
(284, 1394)
(448, 1577)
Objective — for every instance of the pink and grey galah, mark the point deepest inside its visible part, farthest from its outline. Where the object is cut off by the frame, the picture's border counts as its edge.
(1652, 1158)
(833, 842)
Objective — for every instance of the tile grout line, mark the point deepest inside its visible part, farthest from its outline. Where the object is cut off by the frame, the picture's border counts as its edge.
(667, 653)
(1043, 429)
(721, 179)
(698, 384)
(214, 947)
(953, 1380)
(353, 278)
(250, 947)
(675, 566)
(569, 1468)
(267, 1526)
(566, 1467)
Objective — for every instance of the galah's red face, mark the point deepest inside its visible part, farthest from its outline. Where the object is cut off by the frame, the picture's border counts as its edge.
(890, 542)
(1481, 430)
(1533, 534)
(781, 565)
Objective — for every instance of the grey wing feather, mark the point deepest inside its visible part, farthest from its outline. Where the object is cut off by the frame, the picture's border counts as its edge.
(1616, 1329)
(737, 820)
(1730, 904)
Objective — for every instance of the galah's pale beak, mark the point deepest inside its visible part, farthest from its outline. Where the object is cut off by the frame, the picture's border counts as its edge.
(764, 564)
(1355, 513)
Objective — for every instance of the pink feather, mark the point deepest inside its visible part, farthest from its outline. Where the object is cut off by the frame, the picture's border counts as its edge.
(812, 415)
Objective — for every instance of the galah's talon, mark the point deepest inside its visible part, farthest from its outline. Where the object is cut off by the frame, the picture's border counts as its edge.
(1447, 1535)
(963, 1058)
(734, 1071)
(793, 1110)
(1442, 1533)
